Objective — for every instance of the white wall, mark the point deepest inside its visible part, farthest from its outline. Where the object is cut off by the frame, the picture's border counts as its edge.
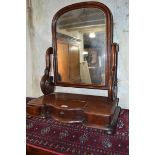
(39, 38)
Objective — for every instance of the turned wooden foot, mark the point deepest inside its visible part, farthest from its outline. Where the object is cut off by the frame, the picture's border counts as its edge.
(110, 129)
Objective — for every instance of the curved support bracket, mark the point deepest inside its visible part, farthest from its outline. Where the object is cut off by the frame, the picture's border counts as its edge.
(112, 92)
(46, 83)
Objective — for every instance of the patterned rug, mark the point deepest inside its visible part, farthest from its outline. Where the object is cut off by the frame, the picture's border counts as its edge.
(76, 139)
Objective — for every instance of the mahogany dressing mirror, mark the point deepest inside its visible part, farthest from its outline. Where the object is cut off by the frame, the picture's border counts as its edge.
(82, 37)
(84, 56)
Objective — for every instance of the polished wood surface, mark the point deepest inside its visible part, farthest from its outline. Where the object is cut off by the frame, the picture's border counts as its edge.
(47, 84)
(92, 110)
(32, 150)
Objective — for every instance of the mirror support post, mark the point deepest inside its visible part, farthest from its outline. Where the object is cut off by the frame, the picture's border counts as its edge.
(46, 84)
(112, 91)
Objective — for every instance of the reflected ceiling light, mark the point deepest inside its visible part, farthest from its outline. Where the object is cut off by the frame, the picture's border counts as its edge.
(92, 35)
(84, 52)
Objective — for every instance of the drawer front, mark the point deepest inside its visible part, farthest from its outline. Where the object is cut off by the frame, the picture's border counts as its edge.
(68, 115)
(33, 110)
(98, 120)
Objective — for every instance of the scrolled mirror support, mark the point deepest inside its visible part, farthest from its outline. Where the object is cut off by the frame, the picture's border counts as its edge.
(46, 84)
(112, 92)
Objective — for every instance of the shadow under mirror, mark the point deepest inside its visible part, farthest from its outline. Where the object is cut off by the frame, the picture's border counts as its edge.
(81, 46)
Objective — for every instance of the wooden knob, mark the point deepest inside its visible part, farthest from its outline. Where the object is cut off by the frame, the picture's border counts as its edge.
(62, 113)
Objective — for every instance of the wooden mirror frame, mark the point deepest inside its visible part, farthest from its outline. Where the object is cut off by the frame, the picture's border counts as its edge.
(48, 82)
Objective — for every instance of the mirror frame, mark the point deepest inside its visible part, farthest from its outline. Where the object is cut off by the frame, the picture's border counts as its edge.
(109, 40)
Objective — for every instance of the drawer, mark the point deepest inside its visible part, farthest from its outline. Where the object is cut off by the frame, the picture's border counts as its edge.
(68, 115)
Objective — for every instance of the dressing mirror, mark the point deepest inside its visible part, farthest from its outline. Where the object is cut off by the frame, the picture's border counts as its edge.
(82, 39)
(84, 56)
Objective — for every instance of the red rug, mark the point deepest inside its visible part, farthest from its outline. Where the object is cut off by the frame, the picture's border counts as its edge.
(76, 139)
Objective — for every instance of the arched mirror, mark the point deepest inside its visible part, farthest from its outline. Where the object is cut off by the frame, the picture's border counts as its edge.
(82, 38)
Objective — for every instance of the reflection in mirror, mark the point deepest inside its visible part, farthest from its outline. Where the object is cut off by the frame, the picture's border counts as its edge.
(81, 46)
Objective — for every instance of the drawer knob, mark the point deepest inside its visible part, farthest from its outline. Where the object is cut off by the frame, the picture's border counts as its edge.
(62, 113)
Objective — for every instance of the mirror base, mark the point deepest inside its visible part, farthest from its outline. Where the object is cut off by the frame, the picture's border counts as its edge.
(93, 111)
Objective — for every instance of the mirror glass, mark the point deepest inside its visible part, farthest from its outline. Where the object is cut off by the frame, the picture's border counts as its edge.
(81, 46)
